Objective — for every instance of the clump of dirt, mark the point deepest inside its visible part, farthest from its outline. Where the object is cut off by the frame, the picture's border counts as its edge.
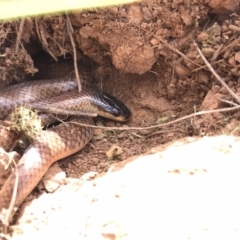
(142, 53)
(128, 36)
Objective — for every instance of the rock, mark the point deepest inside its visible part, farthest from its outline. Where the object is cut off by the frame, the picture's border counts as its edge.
(211, 101)
(185, 190)
(135, 14)
(54, 178)
(224, 6)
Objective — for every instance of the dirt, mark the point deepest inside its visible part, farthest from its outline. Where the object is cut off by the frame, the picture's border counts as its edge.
(132, 51)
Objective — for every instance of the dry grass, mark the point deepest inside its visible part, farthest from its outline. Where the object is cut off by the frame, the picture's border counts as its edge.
(27, 122)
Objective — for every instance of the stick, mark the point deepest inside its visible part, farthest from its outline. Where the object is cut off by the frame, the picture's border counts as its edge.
(19, 33)
(163, 124)
(177, 51)
(215, 74)
(70, 32)
(12, 202)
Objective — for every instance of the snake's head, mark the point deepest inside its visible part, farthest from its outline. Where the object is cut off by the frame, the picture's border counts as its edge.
(112, 108)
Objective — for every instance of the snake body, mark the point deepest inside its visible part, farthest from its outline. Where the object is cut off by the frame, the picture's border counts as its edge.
(52, 145)
(55, 143)
(32, 91)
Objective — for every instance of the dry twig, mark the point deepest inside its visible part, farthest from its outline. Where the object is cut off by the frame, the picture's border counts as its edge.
(4, 34)
(230, 45)
(215, 74)
(70, 33)
(202, 67)
(42, 38)
(216, 53)
(163, 124)
(228, 102)
(19, 33)
(175, 50)
(10, 210)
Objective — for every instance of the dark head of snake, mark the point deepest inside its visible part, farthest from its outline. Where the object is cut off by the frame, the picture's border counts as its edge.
(110, 107)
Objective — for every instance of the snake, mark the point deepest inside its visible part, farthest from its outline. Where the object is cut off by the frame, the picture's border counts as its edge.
(54, 143)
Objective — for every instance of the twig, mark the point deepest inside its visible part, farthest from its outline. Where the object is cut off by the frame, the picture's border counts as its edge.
(177, 51)
(194, 118)
(137, 135)
(163, 124)
(228, 102)
(161, 131)
(37, 28)
(70, 32)
(215, 74)
(216, 53)
(63, 51)
(12, 202)
(19, 33)
(230, 45)
(202, 67)
(42, 38)
(4, 33)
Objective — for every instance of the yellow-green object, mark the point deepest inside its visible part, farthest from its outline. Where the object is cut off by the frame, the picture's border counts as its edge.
(20, 8)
